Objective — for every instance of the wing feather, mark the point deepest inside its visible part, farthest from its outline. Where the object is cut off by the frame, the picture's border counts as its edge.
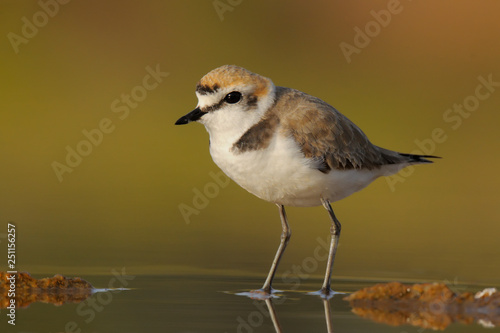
(324, 134)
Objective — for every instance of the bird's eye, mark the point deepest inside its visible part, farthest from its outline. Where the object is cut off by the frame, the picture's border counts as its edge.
(233, 97)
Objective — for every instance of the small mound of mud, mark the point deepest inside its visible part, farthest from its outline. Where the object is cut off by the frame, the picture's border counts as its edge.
(427, 305)
(57, 290)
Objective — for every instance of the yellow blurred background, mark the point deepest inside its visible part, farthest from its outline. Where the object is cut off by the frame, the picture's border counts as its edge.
(71, 69)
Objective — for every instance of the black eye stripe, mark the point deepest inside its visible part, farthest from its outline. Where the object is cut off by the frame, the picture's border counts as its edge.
(213, 107)
(236, 96)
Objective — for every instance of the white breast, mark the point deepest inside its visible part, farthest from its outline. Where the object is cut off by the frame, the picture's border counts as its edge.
(281, 174)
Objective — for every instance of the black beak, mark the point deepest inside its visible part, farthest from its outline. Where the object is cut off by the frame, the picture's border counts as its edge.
(191, 116)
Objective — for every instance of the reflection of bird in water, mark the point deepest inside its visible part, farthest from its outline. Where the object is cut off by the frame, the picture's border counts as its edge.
(276, 323)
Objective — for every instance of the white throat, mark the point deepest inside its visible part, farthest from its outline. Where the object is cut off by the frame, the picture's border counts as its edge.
(227, 125)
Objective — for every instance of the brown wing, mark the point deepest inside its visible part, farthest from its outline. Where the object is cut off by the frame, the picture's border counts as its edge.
(326, 135)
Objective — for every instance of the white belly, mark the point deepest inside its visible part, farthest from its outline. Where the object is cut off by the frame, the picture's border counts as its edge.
(281, 174)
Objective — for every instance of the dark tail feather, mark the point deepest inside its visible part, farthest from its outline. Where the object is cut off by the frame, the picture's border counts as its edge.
(412, 158)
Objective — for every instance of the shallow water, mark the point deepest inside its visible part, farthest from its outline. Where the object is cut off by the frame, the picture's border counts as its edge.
(206, 304)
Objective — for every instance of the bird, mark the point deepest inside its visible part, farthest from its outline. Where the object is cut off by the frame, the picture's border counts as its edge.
(288, 148)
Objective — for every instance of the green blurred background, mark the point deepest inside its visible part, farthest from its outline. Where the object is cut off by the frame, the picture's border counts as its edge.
(120, 206)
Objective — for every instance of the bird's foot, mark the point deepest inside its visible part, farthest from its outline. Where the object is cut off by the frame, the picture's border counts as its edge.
(262, 294)
(325, 293)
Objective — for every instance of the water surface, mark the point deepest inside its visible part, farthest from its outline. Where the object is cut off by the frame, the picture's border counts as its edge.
(206, 304)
